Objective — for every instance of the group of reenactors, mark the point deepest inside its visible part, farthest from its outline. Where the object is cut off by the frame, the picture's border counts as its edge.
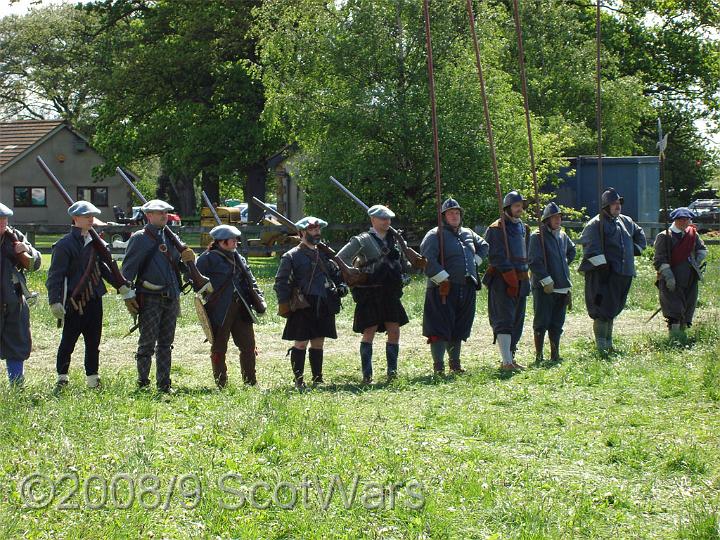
(309, 287)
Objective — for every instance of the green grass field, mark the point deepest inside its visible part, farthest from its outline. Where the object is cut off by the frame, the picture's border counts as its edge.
(619, 447)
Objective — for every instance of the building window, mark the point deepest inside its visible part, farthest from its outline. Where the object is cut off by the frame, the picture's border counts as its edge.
(96, 195)
(29, 197)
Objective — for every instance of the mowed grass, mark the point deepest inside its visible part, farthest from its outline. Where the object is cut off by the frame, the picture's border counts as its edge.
(618, 447)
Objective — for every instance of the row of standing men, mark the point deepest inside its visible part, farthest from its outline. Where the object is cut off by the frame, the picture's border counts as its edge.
(309, 287)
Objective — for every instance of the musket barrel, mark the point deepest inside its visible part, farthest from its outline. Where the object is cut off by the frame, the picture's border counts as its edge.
(64, 194)
(132, 186)
(212, 208)
(349, 193)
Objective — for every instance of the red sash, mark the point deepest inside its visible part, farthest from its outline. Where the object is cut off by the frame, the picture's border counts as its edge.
(684, 247)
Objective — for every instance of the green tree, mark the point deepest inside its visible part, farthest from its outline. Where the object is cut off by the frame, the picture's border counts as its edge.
(348, 82)
(48, 60)
(183, 86)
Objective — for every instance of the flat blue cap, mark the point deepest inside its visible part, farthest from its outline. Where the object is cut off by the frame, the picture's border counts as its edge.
(380, 211)
(156, 205)
(83, 208)
(682, 212)
(5, 211)
(306, 222)
(224, 232)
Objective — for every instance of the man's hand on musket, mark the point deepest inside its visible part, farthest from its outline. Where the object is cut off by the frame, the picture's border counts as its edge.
(188, 255)
(419, 263)
(131, 302)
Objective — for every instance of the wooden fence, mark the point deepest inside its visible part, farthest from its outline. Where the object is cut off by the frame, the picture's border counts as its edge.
(257, 240)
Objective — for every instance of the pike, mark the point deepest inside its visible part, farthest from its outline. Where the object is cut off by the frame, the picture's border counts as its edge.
(197, 280)
(415, 259)
(435, 137)
(257, 301)
(351, 276)
(77, 295)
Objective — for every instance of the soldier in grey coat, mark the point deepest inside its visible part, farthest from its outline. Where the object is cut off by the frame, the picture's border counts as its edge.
(609, 264)
(550, 257)
(507, 277)
(452, 285)
(679, 256)
(17, 256)
(154, 265)
(378, 307)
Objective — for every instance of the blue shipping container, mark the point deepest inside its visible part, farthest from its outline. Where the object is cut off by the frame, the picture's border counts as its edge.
(636, 178)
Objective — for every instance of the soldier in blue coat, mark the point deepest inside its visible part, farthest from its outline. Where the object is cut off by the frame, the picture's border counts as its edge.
(447, 323)
(378, 305)
(309, 287)
(76, 267)
(549, 260)
(679, 257)
(507, 277)
(154, 266)
(609, 264)
(16, 257)
(229, 305)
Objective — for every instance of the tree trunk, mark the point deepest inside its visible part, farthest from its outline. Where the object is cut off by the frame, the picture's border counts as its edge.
(184, 199)
(255, 187)
(211, 186)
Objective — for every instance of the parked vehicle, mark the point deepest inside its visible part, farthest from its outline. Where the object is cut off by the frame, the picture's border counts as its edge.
(707, 212)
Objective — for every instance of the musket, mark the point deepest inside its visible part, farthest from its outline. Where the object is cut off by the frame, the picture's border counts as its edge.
(415, 259)
(197, 280)
(351, 276)
(22, 260)
(258, 302)
(80, 296)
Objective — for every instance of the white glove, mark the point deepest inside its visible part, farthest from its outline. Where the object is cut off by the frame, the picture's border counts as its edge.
(58, 310)
(669, 278)
(129, 294)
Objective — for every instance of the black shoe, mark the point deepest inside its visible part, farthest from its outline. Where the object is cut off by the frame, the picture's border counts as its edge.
(59, 386)
(169, 390)
(367, 380)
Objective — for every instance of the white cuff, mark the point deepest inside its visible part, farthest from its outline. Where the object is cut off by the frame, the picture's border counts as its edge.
(478, 260)
(129, 295)
(663, 266)
(597, 260)
(546, 281)
(124, 289)
(438, 278)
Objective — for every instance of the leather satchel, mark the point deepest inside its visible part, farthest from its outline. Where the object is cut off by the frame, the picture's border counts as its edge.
(298, 300)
